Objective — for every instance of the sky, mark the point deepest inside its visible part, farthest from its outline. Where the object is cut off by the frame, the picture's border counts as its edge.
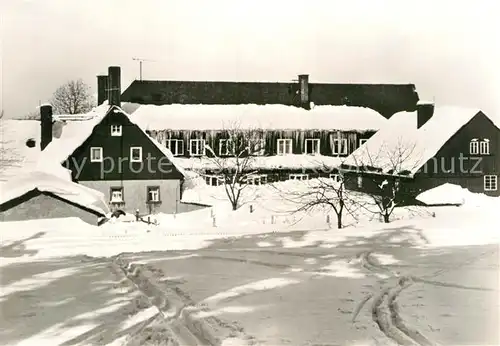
(448, 49)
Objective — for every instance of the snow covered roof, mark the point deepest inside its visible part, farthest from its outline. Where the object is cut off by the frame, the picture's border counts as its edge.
(76, 132)
(400, 147)
(14, 153)
(44, 182)
(301, 161)
(252, 116)
(16, 157)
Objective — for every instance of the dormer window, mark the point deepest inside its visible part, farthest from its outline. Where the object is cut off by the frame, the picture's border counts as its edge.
(116, 130)
(484, 147)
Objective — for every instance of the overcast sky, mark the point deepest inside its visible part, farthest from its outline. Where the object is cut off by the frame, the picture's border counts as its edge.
(450, 50)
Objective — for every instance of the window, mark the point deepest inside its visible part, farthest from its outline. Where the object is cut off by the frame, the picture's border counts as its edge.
(153, 195)
(312, 146)
(335, 178)
(226, 147)
(214, 180)
(259, 147)
(176, 146)
(360, 182)
(474, 147)
(116, 130)
(484, 147)
(95, 154)
(135, 154)
(256, 179)
(116, 195)
(490, 182)
(197, 147)
(362, 141)
(340, 146)
(298, 176)
(284, 146)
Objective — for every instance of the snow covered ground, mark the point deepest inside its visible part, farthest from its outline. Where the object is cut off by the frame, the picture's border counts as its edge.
(231, 264)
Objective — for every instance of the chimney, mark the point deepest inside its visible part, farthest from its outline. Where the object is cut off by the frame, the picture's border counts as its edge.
(102, 86)
(46, 125)
(304, 90)
(114, 86)
(425, 111)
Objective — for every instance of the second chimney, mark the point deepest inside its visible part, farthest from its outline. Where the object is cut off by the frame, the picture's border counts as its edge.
(114, 86)
(45, 125)
(425, 111)
(102, 89)
(304, 90)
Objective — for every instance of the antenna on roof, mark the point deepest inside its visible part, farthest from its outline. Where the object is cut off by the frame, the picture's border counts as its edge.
(140, 65)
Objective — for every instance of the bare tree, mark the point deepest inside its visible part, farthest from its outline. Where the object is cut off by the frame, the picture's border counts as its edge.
(235, 159)
(383, 174)
(73, 97)
(33, 115)
(329, 194)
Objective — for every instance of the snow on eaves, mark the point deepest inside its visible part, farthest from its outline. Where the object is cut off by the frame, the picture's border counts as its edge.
(400, 148)
(45, 182)
(252, 116)
(292, 161)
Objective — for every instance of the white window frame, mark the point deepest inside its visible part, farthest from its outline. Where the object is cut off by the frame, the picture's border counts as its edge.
(200, 147)
(177, 151)
(335, 177)
(484, 147)
(362, 141)
(112, 192)
(229, 146)
(259, 147)
(490, 182)
(132, 156)
(156, 190)
(287, 143)
(313, 142)
(342, 143)
(360, 181)
(116, 130)
(209, 179)
(474, 147)
(298, 176)
(256, 179)
(92, 157)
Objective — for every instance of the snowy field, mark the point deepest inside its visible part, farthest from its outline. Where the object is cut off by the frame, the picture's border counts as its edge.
(250, 268)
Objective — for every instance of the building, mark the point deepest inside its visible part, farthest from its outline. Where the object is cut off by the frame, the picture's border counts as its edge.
(39, 195)
(111, 154)
(386, 99)
(272, 142)
(417, 151)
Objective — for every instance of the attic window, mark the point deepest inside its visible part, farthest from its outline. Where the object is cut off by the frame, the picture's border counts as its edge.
(484, 147)
(31, 143)
(474, 147)
(136, 154)
(116, 130)
(95, 154)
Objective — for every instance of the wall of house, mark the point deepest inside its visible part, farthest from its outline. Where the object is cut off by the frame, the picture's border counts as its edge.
(135, 196)
(453, 163)
(213, 137)
(37, 205)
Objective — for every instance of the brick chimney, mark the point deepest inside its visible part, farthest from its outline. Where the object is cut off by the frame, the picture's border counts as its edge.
(102, 86)
(45, 125)
(114, 86)
(425, 111)
(304, 90)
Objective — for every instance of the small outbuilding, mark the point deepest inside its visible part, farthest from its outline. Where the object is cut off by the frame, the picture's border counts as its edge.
(41, 195)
